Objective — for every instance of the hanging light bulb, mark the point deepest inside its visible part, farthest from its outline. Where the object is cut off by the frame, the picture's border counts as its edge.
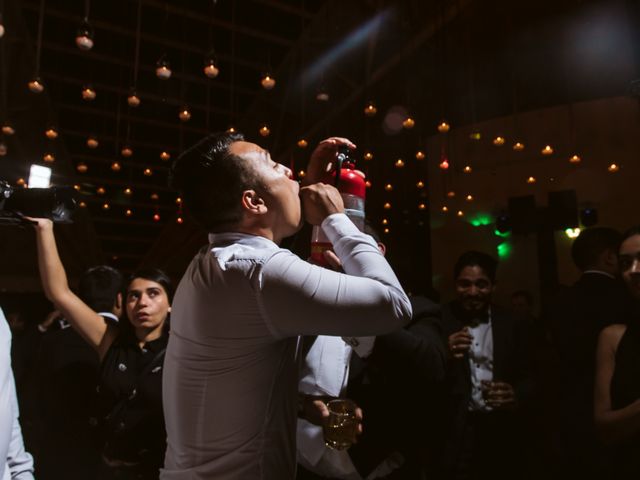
(264, 130)
(420, 155)
(399, 163)
(88, 93)
(302, 174)
(444, 163)
(614, 167)
(49, 158)
(469, 198)
(498, 141)
(128, 212)
(163, 69)
(445, 209)
(575, 159)
(106, 206)
(268, 82)
(184, 114)
(154, 196)
(82, 167)
(444, 127)
(36, 85)
(368, 156)
(467, 169)
(178, 200)
(179, 220)
(82, 204)
(164, 155)
(387, 206)
(388, 187)
(147, 172)
(323, 94)
(531, 180)
(370, 109)
(367, 184)
(408, 123)
(51, 133)
(451, 194)
(92, 142)
(420, 184)
(231, 130)
(210, 67)
(116, 167)
(156, 217)
(302, 143)
(101, 191)
(76, 187)
(126, 151)
(20, 182)
(547, 150)
(84, 36)
(518, 147)
(8, 129)
(128, 191)
(3, 149)
(460, 213)
(422, 206)
(133, 100)
(475, 136)
(385, 221)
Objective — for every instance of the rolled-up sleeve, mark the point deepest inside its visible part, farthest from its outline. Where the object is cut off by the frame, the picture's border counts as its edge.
(300, 298)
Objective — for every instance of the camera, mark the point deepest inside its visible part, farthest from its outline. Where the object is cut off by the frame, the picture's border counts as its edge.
(56, 203)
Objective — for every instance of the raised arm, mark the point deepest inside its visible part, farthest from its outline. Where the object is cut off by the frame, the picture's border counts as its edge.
(614, 426)
(300, 298)
(88, 323)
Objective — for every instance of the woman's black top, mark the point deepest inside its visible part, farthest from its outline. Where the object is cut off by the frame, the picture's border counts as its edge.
(135, 430)
(625, 389)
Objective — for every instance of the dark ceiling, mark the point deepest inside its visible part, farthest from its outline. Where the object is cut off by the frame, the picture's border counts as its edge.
(460, 60)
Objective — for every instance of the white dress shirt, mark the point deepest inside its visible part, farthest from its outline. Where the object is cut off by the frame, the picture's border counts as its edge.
(480, 362)
(15, 462)
(230, 374)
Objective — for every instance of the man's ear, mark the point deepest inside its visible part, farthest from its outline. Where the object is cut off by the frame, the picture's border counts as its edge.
(253, 202)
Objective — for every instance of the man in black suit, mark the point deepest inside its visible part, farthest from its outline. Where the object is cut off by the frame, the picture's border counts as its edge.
(576, 317)
(487, 377)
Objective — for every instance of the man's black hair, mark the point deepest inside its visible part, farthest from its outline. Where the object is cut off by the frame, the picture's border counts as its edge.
(473, 258)
(591, 243)
(211, 180)
(99, 286)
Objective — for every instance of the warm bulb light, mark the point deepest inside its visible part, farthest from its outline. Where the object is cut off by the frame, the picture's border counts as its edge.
(163, 69)
(322, 96)
(368, 156)
(106, 206)
(184, 114)
(444, 127)
(518, 147)
(116, 167)
(51, 133)
(575, 159)
(231, 130)
(3, 149)
(385, 221)
(179, 220)
(82, 167)
(370, 109)
(399, 163)
(133, 100)
(126, 151)
(445, 209)
(8, 129)
(36, 85)
(49, 158)
(210, 69)
(92, 142)
(475, 136)
(82, 205)
(387, 206)
(420, 184)
(156, 217)
(88, 93)
(498, 141)
(128, 212)
(467, 169)
(302, 174)
(420, 155)
(547, 150)
(20, 182)
(268, 82)
(444, 164)
(154, 196)
(84, 37)
(469, 198)
(531, 180)
(388, 187)
(451, 194)
(302, 143)
(147, 172)
(178, 200)
(367, 184)
(421, 206)
(101, 191)
(264, 131)
(164, 155)
(408, 123)
(460, 213)
(128, 191)
(613, 168)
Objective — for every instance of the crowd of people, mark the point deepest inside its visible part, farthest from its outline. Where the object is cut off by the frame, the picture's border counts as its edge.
(230, 377)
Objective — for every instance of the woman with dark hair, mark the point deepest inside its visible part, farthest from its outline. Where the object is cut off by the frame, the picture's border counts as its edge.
(617, 391)
(131, 354)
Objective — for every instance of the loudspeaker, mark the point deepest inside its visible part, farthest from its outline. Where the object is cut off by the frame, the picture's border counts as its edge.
(563, 209)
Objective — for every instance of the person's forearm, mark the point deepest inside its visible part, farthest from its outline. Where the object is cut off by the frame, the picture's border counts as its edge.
(52, 273)
(616, 426)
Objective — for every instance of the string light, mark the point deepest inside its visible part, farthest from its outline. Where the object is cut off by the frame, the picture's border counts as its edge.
(264, 131)
(451, 194)
(388, 187)
(82, 205)
(128, 191)
(3, 149)
(49, 158)
(386, 230)
(268, 82)
(154, 196)
(547, 150)
(421, 206)
(88, 93)
(531, 180)
(399, 163)
(575, 159)
(106, 206)
(179, 220)
(8, 129)
(467, 169)
(210, 69)
(408, 123)
(20, 182)
(420, 184)
(133, 100)
(444, 127)
(82, 167)
(126, 151)
(156, 217)
(367, 184)
(460, 213)
(164, 155)
(518, 147)
(179, 201)
(498, 141)
(147, 172)
(51, 133)
(84, 37)
(101, 191)
(387, 206)
(92, 142)
(36, 85)
(184, 115)
(385, 221)
(368, 156)
(128, 212)
(444, 164)
(469, 198)
(445, 209)
(302, 174)
(163, 69)
(116, 167)
(475, 136)
(370, 109)
(613, 168)
(420, 155)
(302, 143)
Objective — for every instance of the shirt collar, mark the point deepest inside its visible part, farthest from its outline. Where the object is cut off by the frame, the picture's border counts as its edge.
(235, 245)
